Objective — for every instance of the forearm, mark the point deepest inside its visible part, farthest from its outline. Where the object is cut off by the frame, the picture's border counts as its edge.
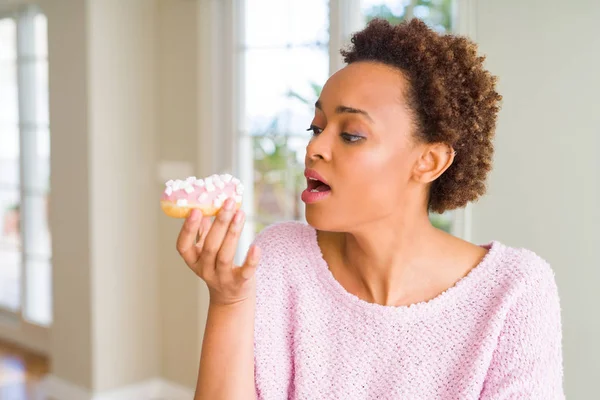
(227, 361)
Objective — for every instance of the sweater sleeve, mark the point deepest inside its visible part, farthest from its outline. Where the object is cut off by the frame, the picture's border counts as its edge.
(527, 362)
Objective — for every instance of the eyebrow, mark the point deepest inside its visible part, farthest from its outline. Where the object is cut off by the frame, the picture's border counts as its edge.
(345, 109)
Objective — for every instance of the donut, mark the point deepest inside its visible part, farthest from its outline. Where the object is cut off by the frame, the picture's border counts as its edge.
(208, 194)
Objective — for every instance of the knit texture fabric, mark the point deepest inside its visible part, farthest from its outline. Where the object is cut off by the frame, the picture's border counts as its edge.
(495, 334)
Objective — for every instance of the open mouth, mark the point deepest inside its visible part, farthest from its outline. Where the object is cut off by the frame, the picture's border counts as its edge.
(316, 186)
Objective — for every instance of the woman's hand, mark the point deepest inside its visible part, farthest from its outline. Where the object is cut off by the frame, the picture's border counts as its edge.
(209, 250)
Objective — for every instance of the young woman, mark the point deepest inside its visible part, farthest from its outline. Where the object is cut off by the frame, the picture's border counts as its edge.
(369, 300)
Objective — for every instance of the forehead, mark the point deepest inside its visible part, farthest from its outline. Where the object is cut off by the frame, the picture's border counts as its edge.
(365, 84)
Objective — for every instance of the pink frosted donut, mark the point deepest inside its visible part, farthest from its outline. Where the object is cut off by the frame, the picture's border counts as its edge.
(208, 195)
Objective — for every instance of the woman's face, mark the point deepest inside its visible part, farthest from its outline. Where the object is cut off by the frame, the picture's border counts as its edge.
(363, 148)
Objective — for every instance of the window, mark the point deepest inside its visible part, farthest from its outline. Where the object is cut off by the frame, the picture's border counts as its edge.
(285, 54)
(284, 50)
(25, 249)
(285, 57)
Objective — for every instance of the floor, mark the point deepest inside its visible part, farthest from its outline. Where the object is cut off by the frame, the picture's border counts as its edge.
(20, 373)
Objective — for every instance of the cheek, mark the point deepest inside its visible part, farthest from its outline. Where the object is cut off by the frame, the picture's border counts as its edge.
(378, 174)
(362, 169)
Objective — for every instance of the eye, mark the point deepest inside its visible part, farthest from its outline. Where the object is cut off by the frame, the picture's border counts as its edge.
(315, 130)
(348, 138)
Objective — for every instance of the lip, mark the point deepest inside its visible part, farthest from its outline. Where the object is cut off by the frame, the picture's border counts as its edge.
(311, 173)
(312, 197)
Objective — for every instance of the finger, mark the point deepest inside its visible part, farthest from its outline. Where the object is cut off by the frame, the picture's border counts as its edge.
(229, 246)
(187, 235)
(205, 225)
(248, 269)
(216, 234)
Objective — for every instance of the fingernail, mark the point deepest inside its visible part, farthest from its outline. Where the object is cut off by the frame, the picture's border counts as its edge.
(194, 214)
(228, 204)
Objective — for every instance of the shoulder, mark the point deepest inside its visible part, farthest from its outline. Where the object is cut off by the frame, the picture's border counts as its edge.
(283, 237)
(524, 267)
(526, 278)
(285, 246)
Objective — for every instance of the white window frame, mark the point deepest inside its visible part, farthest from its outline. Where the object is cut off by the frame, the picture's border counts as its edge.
(13, 325)
(221, 73)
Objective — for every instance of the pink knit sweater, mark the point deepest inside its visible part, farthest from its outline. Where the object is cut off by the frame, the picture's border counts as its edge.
(496, 334)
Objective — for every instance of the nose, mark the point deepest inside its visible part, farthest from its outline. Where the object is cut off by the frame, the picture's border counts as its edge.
(319, 148)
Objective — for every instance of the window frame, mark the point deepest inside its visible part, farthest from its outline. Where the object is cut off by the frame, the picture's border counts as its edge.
(14, 325)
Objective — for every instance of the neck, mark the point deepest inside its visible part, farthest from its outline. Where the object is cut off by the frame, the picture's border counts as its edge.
(383, 258)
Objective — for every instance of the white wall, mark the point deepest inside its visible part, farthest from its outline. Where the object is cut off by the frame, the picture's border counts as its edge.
(105, 332)
(123, 215)
(71, 334)
(178, 92)
(544, 191)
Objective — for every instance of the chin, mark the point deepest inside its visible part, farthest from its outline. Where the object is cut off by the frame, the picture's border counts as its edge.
(321, 220)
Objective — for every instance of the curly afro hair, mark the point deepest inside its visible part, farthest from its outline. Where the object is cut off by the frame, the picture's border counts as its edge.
(451, 96)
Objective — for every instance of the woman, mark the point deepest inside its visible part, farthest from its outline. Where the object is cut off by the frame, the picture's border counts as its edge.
(369, 300)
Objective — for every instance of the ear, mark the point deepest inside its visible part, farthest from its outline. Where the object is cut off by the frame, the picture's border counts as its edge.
(433, 161)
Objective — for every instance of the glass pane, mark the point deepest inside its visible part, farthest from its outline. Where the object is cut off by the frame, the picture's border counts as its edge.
(9, 114)
(309, 22)
(10, 279)
(279, 23)
(35, 226)
(42, 183)
(8, 40)
(10, 217)
(266, 22)
(278, 178)
(10, 250)
(281, 88)
(43, 144)
(36, 178)
(436, 13)
(9, 157)
(270, 197)
(41, 35)
(297, 146)
(286, 62)
(41, 93)
(308, 71)
(28, 89)
(38, 304)
(383, 8)
(266, 85)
